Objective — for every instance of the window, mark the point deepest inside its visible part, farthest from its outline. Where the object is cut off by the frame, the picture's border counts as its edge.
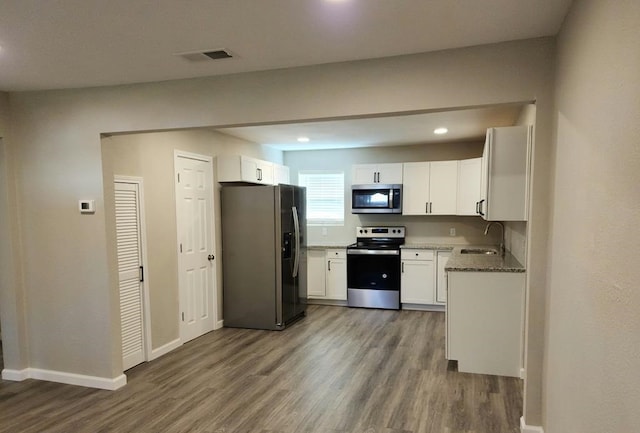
(325, 196)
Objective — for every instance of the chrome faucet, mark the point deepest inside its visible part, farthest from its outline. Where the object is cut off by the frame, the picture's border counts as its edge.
(486, 230)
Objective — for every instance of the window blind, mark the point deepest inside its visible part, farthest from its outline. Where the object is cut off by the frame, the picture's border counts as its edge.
(325, 197)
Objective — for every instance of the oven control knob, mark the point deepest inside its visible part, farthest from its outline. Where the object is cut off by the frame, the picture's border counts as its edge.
(360, 230)
(366, 231)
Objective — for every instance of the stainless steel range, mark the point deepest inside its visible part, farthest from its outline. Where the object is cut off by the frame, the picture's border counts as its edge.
(373, 268)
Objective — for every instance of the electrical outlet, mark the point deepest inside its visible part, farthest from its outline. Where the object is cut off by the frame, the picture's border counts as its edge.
(452, 231)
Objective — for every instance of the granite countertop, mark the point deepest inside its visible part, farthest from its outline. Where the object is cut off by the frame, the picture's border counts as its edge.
(482, 262)
(427, 246)
(326, 246)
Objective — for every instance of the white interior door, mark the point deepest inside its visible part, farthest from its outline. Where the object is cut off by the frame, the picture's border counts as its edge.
(196, 269)
(130, 272)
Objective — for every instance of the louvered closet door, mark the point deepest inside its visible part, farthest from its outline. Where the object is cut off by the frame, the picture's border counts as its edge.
(129, 272)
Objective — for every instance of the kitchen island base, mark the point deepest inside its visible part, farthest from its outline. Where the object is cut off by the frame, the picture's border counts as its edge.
(485, 322)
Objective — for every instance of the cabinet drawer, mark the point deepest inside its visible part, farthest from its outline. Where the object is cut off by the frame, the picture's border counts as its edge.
(336, 254)
(416, 254)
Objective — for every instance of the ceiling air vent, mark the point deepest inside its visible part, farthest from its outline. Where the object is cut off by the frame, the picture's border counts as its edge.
(199, 56)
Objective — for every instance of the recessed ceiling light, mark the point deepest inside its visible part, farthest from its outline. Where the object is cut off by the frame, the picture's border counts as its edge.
(440, 131)
(303, 139)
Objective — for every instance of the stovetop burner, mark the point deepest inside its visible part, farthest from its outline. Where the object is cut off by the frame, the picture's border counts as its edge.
(378, 238)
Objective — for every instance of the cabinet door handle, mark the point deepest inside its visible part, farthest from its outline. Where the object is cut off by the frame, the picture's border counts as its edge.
(477, 210)
(481, 202)
(328, 265)
(402, 267)
(426, 207)
(378, 177)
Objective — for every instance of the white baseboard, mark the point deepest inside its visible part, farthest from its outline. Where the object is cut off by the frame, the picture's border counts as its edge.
(529, 428)
(420, 307)
(68, 378)
(218, 325)
(15, 375)
(164, 349)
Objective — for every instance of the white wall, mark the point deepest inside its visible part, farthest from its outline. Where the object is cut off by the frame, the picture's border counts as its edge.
(592, 380)
(72, 309)
(150, 156)
(12, 311)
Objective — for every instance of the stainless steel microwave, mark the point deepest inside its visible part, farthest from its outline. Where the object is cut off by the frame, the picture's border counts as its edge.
(376, 198)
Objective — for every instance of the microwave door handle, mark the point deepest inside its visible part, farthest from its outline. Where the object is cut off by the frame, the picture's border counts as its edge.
(391, 199)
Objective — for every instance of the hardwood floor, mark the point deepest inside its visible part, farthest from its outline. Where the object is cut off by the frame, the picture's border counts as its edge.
(338, 370)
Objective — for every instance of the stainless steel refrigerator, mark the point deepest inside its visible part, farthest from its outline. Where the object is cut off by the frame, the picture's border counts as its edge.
(263, 255)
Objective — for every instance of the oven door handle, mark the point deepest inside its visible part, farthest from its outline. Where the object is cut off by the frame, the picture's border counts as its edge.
(373, 252)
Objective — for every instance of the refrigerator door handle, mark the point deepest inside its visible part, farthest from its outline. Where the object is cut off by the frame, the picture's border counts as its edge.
(296, 227)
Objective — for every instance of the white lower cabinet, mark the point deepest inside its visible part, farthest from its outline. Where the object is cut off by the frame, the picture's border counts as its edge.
(485, 322)
(336, 275)
(441, 280)
(417, 279)
(316, 280)
(327, 274)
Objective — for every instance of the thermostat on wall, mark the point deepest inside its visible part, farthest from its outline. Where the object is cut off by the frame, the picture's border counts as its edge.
(87, 206)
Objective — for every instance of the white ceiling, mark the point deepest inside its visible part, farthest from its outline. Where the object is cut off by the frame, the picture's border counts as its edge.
(81, 43)
(84, 43)
(463, 125)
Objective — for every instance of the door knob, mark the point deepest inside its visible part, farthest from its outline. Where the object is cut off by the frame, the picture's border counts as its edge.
(210, 257)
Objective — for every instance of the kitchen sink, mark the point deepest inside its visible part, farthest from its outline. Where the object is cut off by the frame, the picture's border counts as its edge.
(478, 251)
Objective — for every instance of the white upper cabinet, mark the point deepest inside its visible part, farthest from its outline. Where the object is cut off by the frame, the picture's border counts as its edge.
(240, 168)
(443, 186)
(364, 174)
(504, 193)
(255, 170)
(415, 188)
(281, 174)
(469, 178)
(430, 188)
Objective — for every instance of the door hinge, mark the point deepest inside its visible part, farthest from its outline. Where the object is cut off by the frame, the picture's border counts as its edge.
(183, 316)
